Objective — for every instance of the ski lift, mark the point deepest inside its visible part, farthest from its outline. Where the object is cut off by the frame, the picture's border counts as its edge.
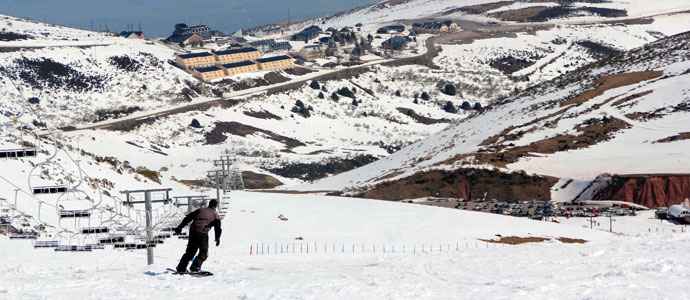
(23, 236)
(28, 149)
(112, 239)
(46, 244)
(18, 153)
(60, 189)
(93, 230)
(75, 213)
(72, 248)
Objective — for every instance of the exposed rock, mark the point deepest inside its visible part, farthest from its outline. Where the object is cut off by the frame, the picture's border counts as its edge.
(650, 191)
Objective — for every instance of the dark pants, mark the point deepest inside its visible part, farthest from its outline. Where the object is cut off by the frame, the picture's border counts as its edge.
(197, 241)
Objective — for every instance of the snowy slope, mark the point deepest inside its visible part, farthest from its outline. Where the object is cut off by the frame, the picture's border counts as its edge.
(635, 265)
(542, 113)
(389, 11)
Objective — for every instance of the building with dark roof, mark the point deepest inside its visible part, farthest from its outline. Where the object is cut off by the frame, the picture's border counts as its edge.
(209, 73)
(395, 43)
(270, 45)
(240, 67)
(133, 35)
(195, 60)
(391, 29)
(276, 62)
(235, 55)
(307, 34)
(312, 52)
(183, 32)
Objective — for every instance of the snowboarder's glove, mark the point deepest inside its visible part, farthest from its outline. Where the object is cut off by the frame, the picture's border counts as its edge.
(178, 231)
(217, 243)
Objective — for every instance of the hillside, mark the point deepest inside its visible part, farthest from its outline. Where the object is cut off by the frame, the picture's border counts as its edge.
(153, 104)
(625, 114)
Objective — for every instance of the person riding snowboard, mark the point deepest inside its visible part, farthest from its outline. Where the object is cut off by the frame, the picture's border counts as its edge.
(203, 219)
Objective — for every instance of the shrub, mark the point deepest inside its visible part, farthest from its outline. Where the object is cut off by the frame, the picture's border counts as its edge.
(449, 90)
(450, 108)
(34, 100)
(299, 104)
(477, 106)
(195, 123)
(397, 93)
(466, 105)
(334, 96)
(346, 92)
(425, 96)
(321, 96)
(354, 102)
(314, 85)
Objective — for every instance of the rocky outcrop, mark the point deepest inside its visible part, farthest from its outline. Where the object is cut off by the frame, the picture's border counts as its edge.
(649, 190)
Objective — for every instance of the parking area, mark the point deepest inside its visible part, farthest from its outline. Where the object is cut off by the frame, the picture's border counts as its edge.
(537, 210)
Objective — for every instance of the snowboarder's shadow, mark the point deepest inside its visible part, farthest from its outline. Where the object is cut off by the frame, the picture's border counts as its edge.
(150, 273)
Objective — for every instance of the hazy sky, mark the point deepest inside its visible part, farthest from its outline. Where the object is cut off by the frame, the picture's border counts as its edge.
(157, 17)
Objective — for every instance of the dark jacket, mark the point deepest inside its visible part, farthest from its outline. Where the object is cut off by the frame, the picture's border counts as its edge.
(203, 220)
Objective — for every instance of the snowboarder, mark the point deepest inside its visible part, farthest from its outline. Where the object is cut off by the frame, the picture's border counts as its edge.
(203, 219)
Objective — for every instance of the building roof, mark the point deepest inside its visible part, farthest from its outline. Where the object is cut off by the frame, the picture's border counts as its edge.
(239, 64)
(193, 55)
(275, 58)
(312, 47)
(208, 69)
(128, 33)
(180, 38)
(234, 51)
(263, 42)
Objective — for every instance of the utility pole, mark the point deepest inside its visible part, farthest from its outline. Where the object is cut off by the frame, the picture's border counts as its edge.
(148, 201)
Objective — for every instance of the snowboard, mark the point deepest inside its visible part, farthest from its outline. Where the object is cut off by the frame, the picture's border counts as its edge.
(196, 274)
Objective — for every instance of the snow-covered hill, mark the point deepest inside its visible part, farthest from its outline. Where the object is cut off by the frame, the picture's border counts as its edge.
(485, 63)
(625, 114)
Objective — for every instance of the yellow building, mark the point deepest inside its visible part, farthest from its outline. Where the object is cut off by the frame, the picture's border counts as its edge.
(276, 62)
(195, 60)
(235, 55)
(240, 67)
(209, 73)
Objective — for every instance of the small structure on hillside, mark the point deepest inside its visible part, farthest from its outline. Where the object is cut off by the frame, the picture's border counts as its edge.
(312, 52)
(183, 33)
(270, 32)
(435, 27)
(307, 34)
(133, 35)
(395, 43)
(270, 45)
(394, 29)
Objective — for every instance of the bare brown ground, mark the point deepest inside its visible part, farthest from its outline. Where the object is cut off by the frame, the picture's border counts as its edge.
(631, 97)
(388, 176)
(590, 133)
(566, 240)
(290, 192)
(611, 82)
(519, 15)
(488, 32)
(514, 240)
(481, 8)
(678, 137)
